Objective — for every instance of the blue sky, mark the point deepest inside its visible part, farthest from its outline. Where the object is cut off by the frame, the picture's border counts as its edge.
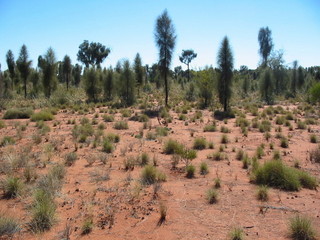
(127, 27)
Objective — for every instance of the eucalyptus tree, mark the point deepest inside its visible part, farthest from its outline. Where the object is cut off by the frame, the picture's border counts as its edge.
(138, 70)
(11, 65)
(186, 57)
(108, 84)
(267, 86)
(92, 53)
(225, 69)
(76, 73)
(24, 65)
(127, 84)
(165, 39)
(266, 44)
(67, 69)
(48, 65)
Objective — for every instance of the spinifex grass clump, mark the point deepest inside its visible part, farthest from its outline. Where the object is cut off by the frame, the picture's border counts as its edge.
(173, 147)
(18, 113)
(150, 174)
(8, 227)
(301, 228)
(199, 143)
(42, 116)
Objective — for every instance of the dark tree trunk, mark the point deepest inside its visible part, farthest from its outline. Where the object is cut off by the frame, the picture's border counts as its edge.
(25, 88)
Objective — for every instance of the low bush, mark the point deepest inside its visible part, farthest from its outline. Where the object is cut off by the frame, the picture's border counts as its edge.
(112, 137)
(2, 124)
(87, 226)
(262, 193)
(210, 128)
(190, 169)
(315, 155)
(8, 227)
(121, 125)
(301, 228)
(42, 116)
(224, 139)
(70, 158)
(313, 138)
(18, 113)
(7, 140)
(162, 131)
(212, 196)
(108, 118)
(204, 169)
(173, 147)
(236, 234)
(284, 143)
(199, 143)
(12, 187)
(150, 175)
(107, 146)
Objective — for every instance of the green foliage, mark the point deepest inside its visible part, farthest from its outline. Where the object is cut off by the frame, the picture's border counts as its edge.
(24, 65)
(7, 140)
(127, 85)
(92, 53)
(66, 69)
(212, 196)
(265, 42)
(165, 38)
(301, 228)
(87, 226)
(204, 169)
(108, 118)
(138, 70)
(121, 125)
(205, 84)
(2, 124)
(150, 174)
(108, 146)
(284, 143)
(236, 234)
(12, 187)
(70, 158)
(190, 169)
(210, 128)
(186, 57)
(112, 137)
(43, 115)
(225, 65)
(92, 83)
(267, 88)
(200, 143)
(224, 139)
(18, 113)
(315, 155)
(8, 227)
(262, 193)
(315, 92)
(172, 147)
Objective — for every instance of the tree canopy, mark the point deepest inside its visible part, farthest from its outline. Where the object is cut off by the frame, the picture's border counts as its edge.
(92, 53)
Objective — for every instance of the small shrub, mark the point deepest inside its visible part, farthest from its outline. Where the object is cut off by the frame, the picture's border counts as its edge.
(129, 163)
(121, 125)
(301, 125)
(212, 196)
(210, 128)
(217, 182)
(151, 136)
(284, 142)
(262, 193)
(112, 137)
(301, 228)
(182, 117)
(190, 169)
(143, 118)
(313, 138)
(7, 140)
(8, 227)
(87, 226)
(173, 147)
(2, 124)
(70, 158)
(199, 143)
(12, 187)
(162, 131)
(246, 162)
(144, 159)
(42, 116)
(315, 155)
(126, 113)
(224, 129)
(18, 113)
(224, 139)
(259, 152)
(204, 169)
(240, 154)
(150, 175)
(108, 118)
(107, 146)
(163, 213)
(236, 234)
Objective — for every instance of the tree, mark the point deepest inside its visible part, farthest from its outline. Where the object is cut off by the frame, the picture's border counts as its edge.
(11, 65)
(76, 73)
(315, 93)
(301, 77)
(225, 68)
(138, 70)
(24, 65)
(294, 78)
(276, 63)
(35, 79)
(1, 84)
(66, 69)
(127, 84)
(165, 40)
(48, 66)
(92, 54)
(205, 83)
(266, 44)
(92, 84)
(186, 57)
(108, 84)
(267, 88)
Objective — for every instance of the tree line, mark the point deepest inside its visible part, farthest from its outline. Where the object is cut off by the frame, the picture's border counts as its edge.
(128, 79)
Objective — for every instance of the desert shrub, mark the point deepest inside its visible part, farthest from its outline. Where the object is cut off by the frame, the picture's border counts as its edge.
(217, 182)
(7, 140)
(224, 139)
(276, 155)
(224, 129)
(240, 154)
(112, 137)
(242, 122)
(217, 156)
(190, 169)
(51, 183)
(301, 125)
(126, 113)
(301, 228)
(29, 174)
(210, 128)
(8, 227)
(2, 124)
(276, 174)
(311, 121)
(315, 155)
(204, 169)
(87, 226)
(246, 162)
(107, 146)
(260, 152)
(70, 158)
(12, 187)
(143, 118)
(265, 126)
(173, 147)
(236, 234)
(121, 125)
(199, 143)
(212, 196)
(150, 174)
(151, 136)
(182, 117)
(163, 212)
(42, 116)
(313, 138)
(284, 143)
(129, 163)
(108, 118)
(262, 193)
(162, 131)
(289, 116)
(280, 120)
(43, 212)
(144, 159)
(18, 113)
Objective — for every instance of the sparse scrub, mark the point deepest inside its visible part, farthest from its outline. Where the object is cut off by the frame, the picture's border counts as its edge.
(7, 140)
(315, 155)
(70, 158)
(300, 228)
(121, 125)
(18, 113)
(107, 146)
(42, 116)
(87, 225)
(236, 234)
(204, 169)
(313, 138)
(173, 147)
(199, 143)
(162, 131)
(212, 196)
(284, 143)
(190, 169)
(108, 118)
(210, 128)
(12, 187)
(8, 226)
(224, 139)
(262, 193)
(150, 174)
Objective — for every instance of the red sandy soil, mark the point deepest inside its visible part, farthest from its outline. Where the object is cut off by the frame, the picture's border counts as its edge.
(135, 208)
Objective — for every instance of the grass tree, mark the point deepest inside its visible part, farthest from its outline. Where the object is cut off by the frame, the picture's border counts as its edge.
(24, 66)
(165, 38)
(267, 88)
(225, 66)
(138, 70)
(66, 69)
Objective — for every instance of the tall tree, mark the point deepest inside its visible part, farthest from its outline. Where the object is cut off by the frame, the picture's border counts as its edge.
(165, 38)
(66, 69)
(48, 65)
(301, 77)
(92, 53)
(24, 65)
(92, 83)
(276, 63)
(186, 57)
(11, 65)
(138, 70)
(127, 90)
(225, 67)
(266, 44)
(294, 78)
(205, 85)
(76, 72)
(108, 84)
